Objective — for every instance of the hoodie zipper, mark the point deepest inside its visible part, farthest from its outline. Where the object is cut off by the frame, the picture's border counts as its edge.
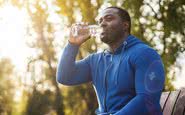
(105, 78)
(120, 59)
(106, 85)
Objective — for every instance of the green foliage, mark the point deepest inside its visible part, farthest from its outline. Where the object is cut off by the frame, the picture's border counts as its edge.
(39, 103)
(46, 56)
(80, 100)
(6, 87)
(6, 67)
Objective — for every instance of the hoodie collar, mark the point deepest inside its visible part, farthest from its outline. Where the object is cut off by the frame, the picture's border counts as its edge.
(127, 43)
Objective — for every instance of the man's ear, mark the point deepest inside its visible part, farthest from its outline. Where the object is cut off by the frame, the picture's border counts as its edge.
(125, 26)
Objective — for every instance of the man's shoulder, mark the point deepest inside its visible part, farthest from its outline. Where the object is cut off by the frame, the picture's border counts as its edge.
(144, 50)
(138, 48)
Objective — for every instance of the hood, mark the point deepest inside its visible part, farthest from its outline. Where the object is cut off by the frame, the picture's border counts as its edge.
(131, 41)
(127, 43)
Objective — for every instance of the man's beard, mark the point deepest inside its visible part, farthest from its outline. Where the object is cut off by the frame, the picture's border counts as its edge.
(112, 37)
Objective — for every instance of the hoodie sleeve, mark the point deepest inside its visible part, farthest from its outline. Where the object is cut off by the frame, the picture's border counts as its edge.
(71, 72)
(149, 83)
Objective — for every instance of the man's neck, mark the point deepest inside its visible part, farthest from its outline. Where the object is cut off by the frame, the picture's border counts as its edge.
(115, 45)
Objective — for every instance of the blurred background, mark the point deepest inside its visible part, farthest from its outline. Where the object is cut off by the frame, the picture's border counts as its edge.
(33, 34)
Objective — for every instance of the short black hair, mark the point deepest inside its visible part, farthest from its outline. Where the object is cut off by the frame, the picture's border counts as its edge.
(123, 14)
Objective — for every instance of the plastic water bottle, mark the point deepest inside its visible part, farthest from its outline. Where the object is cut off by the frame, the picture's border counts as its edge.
(94, 30)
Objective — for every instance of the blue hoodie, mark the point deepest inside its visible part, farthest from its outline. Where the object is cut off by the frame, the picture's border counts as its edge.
(128, 82)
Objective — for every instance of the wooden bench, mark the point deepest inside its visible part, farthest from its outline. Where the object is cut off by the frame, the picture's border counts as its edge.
(173, 102)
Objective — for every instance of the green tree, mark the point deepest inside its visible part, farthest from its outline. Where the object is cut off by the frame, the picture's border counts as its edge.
(46, 55)
(39, 103)
(6, 86)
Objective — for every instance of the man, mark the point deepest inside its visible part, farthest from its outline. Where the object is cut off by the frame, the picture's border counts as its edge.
(128, 78)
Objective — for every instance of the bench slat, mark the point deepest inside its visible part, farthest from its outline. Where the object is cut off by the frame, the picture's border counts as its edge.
(180, 104)
(168, 107)
(163, 99)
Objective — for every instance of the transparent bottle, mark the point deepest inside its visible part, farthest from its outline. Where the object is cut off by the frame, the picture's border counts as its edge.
(94, 30)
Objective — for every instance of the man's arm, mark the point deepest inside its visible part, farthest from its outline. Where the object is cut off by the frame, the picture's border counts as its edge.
(70, 72)
(149, 82)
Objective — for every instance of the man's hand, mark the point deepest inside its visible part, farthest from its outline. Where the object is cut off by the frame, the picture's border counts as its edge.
(82, 36)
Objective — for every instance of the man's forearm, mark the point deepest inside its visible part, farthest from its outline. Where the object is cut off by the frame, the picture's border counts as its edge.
(71, 72)
(67, 63)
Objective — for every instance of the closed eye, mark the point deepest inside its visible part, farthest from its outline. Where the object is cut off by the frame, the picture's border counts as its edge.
(109, 18)
(106, 18)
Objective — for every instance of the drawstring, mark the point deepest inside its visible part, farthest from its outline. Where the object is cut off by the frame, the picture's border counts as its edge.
(120, 59)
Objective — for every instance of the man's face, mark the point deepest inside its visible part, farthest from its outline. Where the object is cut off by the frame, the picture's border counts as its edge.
(112, 25)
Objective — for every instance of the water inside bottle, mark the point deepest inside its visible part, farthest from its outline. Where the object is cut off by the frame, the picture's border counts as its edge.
(94, 30)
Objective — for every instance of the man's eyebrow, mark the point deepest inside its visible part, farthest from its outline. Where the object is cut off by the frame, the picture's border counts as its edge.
(108, 15)
(104, 16)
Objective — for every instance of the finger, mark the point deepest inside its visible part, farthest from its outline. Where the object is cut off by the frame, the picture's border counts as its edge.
(73, 30)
